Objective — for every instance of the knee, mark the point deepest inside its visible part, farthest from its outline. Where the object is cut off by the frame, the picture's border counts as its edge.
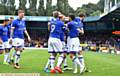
(7, 50)
(80, 53)
(16, 49)
(1, 51)
(64, 56)
(71, 56)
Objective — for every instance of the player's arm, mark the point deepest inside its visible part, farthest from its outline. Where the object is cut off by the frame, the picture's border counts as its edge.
(13, 25)
(11, 32)
(49, 26)
(81, 30)
(64, 27)
(26, 33)
(1, 52)
(67, 26)
(1, 36)
(1, 41)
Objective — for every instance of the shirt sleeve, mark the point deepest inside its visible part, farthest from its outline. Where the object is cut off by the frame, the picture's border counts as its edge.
(80, 25)
(24, 26)
(0, 31)
(68, 25)
(13, 24)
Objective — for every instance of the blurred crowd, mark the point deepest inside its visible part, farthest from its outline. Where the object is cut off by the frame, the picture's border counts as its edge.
(101, 43)
(38, 43)
(93, 40)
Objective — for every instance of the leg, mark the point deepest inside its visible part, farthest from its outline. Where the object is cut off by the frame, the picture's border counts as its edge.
(6, 56)
(52, 61)
(13, 56)
(46, 69)
(17, 58)
(59, 63)
(81, 58)
(76, 62)
(1, 51)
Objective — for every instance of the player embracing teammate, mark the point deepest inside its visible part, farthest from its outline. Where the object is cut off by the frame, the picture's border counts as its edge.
(54, 43)
(74, 42)
(74, 28)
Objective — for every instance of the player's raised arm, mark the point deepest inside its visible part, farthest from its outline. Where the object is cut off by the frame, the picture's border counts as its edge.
(49, 26)
(81, 16)
(80, 28)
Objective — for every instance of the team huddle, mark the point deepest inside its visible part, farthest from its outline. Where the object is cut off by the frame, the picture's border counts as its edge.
(57, 43)
(12, 36)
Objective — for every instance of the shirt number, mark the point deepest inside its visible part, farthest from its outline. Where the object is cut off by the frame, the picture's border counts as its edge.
(52, 28)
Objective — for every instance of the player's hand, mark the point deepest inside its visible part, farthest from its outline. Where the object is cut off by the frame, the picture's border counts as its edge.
(80, 31)
(1, 41)
(29, 39)
(10, 42)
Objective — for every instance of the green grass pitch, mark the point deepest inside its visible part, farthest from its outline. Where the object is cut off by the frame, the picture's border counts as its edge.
(33, 61)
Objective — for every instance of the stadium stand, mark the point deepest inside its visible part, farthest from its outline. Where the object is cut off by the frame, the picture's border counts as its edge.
(98, 30)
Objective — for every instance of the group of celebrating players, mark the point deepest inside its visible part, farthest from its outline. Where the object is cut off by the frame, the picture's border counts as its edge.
(64, 39)
(12, 36)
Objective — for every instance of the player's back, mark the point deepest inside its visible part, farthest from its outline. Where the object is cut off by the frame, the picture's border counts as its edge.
(73, 26)
(56, 28)
(80, 24)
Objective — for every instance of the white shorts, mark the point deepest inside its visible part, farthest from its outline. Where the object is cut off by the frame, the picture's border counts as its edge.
(54, 45)
(64, 48)
(18, 43)
(10, 44)
(68, 44)
(80, 48)
(5, 45)
(74, 45)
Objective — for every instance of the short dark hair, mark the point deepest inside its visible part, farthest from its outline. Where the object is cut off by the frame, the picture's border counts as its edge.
(11, 18)
(6, 20)
(82, 15)
(72, 16)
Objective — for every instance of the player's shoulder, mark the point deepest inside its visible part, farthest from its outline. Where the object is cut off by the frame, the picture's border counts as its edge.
(52, 19)
(9, 24)
(61, 21)
(77, 19)
(23, 20)
(69, 23)
(14, 21)
(1, 26)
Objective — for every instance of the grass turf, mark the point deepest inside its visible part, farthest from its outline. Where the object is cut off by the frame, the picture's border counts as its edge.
(33, 61)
